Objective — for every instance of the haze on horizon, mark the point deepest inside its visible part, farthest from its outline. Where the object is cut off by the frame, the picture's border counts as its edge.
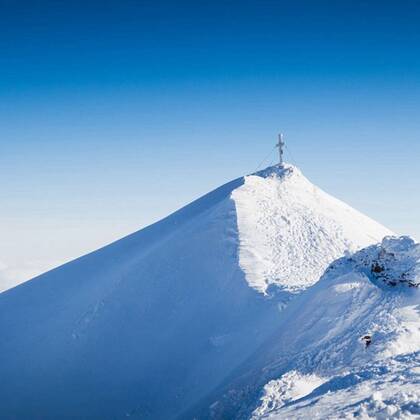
(114, 114)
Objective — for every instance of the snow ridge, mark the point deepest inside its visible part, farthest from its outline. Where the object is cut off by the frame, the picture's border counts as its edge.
(167, 319)
(319, 365)
(290, 230)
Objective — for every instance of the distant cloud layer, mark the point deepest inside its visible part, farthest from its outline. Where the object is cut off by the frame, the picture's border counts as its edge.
(12, 276)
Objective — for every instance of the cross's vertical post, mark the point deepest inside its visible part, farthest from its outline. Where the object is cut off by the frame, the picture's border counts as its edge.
(281, 145)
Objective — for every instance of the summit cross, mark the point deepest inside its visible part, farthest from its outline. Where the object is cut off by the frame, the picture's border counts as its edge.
(281, 145)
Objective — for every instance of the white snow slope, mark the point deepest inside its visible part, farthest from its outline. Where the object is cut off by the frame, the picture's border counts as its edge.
(318, 364)
(290, 230)
(149, 326)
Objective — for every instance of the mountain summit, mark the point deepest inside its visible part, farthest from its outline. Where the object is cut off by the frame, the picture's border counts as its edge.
(290, 230)
(151, 324)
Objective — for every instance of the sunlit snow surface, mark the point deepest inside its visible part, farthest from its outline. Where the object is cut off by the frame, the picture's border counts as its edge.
(318, 366)
(290, 230)
(161, 323)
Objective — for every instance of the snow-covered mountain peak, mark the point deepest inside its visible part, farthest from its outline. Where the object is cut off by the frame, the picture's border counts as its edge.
(281, 172)
(290, 230)
(172, 310)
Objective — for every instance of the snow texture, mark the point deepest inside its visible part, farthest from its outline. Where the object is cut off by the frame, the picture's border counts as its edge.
(290, 230)
(290, 387)
(141, 328)
(318, 364)
(158, 323)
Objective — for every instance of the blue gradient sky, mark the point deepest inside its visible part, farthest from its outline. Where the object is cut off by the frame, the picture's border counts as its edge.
(115, 113)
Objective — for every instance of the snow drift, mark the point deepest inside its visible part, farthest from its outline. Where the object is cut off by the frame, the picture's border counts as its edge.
(148, 326)
(318, 364)
(290, 230)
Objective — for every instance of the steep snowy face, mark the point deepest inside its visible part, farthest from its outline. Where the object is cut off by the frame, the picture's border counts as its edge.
(290, 230)
(142, 328)
(349, 335)
(150, 325)
(363, 358)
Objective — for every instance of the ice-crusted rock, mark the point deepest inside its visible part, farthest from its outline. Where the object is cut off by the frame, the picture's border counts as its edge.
(394, 262)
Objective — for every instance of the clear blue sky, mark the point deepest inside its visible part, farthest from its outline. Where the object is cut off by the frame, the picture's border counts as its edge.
(115, 113)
